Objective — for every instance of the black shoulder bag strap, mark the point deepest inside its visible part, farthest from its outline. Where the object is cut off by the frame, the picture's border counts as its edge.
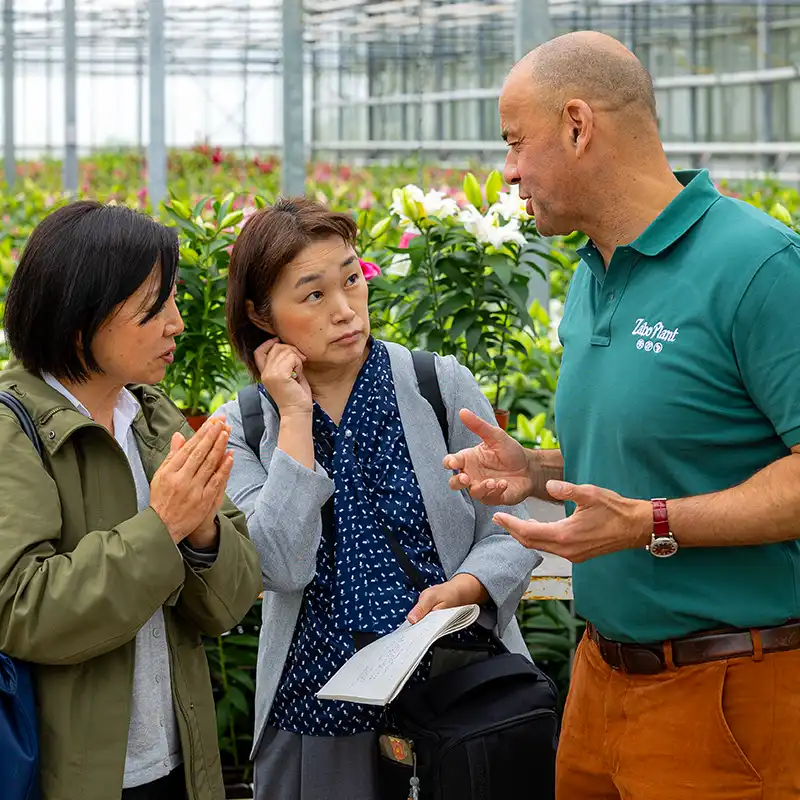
(252, 416)
(21, 413)
(428, 380)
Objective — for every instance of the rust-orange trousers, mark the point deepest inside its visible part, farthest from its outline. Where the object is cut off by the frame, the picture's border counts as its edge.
(724, 730)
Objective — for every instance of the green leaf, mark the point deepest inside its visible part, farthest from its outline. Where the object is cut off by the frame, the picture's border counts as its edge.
(452, 304)
(199, 206)
(461, 321)
(240, 676)
(223, 714)
(450, 268)
(242, 640)
(473, 336)
(224, 206)
(238, 700)
(558, 612)
(420, 311)
(385, 284)
(557, 641)
(502, 266)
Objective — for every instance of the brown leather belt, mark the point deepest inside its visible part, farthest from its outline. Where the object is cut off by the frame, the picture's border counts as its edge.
(648, 659)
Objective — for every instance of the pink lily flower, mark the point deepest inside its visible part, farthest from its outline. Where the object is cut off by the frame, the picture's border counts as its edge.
(369, 269)
(405, 239)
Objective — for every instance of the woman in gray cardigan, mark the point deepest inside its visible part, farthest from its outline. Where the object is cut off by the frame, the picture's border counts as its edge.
(348, 438)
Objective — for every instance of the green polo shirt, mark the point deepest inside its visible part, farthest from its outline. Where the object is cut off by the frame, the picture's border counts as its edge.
(681, 376)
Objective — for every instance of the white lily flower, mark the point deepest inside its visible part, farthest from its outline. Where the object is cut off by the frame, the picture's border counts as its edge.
(510, 205)
(438, 204)
(503, 234)
(414, 193)
(476, 223)
(487, 229)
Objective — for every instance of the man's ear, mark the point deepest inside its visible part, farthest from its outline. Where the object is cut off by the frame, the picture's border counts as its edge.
(256, 319)
(579, 118)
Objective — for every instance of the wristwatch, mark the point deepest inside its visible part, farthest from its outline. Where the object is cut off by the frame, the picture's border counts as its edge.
(662, 543)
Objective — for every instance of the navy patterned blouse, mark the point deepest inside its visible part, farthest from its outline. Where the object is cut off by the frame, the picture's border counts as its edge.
(358, 586)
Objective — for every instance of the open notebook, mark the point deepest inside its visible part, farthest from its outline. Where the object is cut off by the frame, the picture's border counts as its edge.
(376, 674)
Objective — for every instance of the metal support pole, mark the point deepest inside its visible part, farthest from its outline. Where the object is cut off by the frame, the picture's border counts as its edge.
(314, 92)
(533, 26)
(157, 148)
(293, 171)
(69, 177)
(438, 85)
(694, 98)
(245, 80)
(48, 99)
(140, 83)
(765, 92)
(321, 115)
(9, 164)
(371, 112)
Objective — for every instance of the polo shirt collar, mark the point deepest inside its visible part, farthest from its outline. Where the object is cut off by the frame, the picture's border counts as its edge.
(698, 195)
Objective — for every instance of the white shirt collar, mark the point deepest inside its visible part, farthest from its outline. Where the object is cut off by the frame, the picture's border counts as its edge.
(125, 410)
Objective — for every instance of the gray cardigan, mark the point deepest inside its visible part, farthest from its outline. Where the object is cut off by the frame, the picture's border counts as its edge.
(282, 501)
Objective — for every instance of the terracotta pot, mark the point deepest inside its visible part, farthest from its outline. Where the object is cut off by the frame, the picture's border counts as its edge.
(196, 421)
(502, 416)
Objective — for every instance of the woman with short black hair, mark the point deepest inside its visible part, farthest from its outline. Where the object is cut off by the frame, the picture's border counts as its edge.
(118, 549)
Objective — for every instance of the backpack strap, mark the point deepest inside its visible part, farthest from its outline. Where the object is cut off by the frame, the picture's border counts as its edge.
(252, 417)
(428, 380)
(21, 413)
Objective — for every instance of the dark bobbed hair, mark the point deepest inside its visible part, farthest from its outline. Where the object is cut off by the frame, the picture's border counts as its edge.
(80, 263)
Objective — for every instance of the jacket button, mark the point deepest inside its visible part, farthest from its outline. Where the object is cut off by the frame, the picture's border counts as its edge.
(51, 435)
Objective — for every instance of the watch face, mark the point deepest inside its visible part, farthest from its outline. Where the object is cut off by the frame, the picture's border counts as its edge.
(663, 546)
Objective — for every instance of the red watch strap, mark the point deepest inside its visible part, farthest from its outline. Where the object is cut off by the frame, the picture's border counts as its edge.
(660, 520)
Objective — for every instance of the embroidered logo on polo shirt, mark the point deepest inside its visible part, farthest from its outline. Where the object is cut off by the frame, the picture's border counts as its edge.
(652, 337)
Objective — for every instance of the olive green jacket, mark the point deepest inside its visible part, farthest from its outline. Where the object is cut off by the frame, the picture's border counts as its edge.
(81, 570)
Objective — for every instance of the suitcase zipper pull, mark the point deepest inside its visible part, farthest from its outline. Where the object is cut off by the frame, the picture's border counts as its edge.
(414, 782)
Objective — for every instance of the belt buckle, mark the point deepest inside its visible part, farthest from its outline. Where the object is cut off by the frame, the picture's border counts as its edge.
(611, 653)
(641, 661)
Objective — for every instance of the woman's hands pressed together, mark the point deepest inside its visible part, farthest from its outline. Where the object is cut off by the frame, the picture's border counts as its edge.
(188, 488)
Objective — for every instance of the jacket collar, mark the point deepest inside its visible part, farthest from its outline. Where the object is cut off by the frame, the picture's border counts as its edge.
(57, 419)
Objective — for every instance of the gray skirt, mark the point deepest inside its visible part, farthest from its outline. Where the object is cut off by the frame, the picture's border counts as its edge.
(289, 766)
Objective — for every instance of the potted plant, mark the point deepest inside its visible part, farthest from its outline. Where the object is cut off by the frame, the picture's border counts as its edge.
(458, 281)
(205, 372)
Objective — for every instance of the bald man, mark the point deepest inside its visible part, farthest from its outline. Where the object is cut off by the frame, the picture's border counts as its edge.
(678, 415)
